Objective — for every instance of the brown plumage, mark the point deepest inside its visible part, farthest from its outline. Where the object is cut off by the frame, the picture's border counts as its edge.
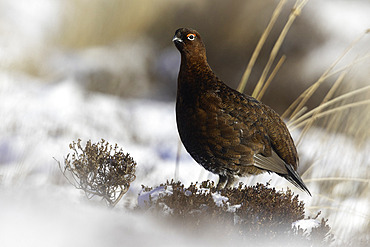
(228, 133)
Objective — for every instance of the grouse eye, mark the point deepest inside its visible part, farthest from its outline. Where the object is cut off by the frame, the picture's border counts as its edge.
(191, 36)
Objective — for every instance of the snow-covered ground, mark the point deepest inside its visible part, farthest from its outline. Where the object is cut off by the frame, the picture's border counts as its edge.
(38, 120)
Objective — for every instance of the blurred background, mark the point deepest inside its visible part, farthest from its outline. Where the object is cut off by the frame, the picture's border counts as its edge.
(124, 48)
(108, 69)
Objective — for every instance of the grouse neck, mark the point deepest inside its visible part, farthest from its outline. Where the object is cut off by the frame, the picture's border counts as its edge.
(194, 67)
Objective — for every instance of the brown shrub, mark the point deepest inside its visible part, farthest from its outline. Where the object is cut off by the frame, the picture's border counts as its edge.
(100, 170)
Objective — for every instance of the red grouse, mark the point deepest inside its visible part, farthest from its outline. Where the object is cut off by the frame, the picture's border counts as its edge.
(228, 133)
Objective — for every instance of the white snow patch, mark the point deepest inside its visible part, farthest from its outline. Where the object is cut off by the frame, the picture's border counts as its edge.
(219, 199)
(145, 197)
(306, 224)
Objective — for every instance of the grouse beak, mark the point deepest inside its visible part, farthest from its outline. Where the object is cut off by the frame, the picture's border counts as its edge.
(176, 39)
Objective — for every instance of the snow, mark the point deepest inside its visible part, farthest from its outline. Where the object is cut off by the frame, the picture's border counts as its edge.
(222, 200)
(50, 217)
(342, 22)
(306, 224)
(219, 199)
(145, 197)
(153, 194)
(25, 25)
(345, 19)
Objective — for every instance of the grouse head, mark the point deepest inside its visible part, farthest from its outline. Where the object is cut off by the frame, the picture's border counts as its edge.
(189, 43)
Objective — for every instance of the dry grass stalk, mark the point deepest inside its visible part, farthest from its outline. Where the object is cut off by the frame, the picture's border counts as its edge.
(338, 209)
(301, 101)
(299, 122)
(317, 110)
(271, 77)
(304, 94)
(261, 42)
(295, 12)
(338, 109)
(362, 180)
